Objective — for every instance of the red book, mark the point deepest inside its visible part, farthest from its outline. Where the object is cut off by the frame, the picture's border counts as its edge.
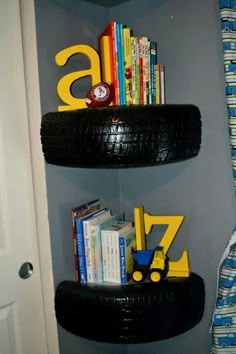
(141, 66)
(110, 31)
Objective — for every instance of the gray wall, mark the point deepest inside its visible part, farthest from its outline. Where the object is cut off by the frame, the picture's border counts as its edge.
(189, 44)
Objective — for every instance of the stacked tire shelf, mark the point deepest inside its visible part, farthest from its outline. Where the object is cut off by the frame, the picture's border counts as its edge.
(126, 137)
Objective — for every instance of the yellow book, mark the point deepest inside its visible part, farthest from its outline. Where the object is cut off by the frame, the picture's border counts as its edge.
(135, 70)
(105, 59)
(158, 84)
(128, 64)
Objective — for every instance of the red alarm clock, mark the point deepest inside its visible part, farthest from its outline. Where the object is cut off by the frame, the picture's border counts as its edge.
(100, 95)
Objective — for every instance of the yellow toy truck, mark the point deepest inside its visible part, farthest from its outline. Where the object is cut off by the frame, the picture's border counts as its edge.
(154, 263)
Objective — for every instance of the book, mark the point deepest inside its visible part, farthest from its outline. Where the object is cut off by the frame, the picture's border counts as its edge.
(135, 70)
(153, 62)
(76, 213)
(128, 64)
(99, 217)
(158, 83)
(80, 242)
(162, 84)
(96, 244)
(105, 57)
(110, 248)
(126, 245)
(120, 62)
(146, 69)
(141, 68)
(110, 31)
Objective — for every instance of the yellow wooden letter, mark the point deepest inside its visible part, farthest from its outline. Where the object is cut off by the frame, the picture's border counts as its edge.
(139, 227)
(64, 85)
(173, 223)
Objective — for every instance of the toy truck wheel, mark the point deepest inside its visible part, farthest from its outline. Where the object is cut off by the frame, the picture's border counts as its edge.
(137, 276)
(155, 276)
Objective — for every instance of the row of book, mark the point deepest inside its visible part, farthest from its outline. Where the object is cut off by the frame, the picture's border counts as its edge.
(103, 244)
(130, 63)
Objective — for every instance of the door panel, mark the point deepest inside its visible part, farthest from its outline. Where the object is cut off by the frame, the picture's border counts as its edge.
(22, 322)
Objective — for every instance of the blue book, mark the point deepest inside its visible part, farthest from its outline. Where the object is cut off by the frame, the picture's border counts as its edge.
(81, 245)
(121, 63)
(153, 62)
(77, 213)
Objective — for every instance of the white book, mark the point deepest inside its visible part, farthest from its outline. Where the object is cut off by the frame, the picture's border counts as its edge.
(96, 244)
(117, 244)
(110, 246)
(98, 218)
(104, 256)
(126, 244)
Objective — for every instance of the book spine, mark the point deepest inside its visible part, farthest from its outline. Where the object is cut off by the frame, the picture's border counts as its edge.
(115, 63)
(111, 257)
(146, 69)
(153, 62)
(135, 70)
(75, 246)
(158, 84)
(104, 255)
(149, 93)
(122, 260)
(81, 252)
(99, 257)
(162, 78)
(88, 253)
(128, 65)
(105, 59)
(121, 65)
(94, 252)
(141, 69)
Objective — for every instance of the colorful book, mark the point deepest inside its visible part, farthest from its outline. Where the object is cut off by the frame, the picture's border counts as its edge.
(97, 245)
(77, 213)
(146, 69)
(99, 217)
(135, 70)
(110, 31)
(128, 65)
(141, 68)
(126, 245)
(153, 62)
(81, 245)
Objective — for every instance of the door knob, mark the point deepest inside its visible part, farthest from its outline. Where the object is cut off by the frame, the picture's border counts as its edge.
(26, 270)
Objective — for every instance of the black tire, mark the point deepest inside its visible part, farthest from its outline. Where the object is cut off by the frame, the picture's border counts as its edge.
(127, 136)
(136, 313)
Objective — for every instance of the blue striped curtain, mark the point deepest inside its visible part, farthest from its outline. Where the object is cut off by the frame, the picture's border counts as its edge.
(224, 316)
(228, 30)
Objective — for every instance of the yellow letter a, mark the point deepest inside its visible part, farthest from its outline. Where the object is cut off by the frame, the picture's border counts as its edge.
(64, 85)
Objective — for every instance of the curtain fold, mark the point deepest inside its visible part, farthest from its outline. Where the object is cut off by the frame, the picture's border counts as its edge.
(228, 31)
(224, 316)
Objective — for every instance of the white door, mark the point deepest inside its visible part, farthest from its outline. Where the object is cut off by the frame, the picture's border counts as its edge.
(22, 320)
